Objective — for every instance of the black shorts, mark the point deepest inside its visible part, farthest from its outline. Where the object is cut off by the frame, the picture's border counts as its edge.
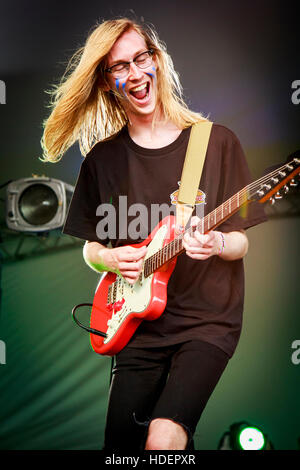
(173, 382)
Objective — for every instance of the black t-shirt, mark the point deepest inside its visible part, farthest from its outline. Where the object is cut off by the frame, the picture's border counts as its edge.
(205, 298)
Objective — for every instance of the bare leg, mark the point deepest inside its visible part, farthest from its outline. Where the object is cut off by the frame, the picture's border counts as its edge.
(165, 434)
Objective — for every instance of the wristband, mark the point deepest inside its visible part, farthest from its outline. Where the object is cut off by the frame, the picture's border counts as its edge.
(223, 244)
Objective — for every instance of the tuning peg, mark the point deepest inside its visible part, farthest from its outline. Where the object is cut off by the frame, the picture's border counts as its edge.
(272, 201)
(278, 195)
(289, 167)
(267, 186)
(282, 174)
(275, 180)
(293, 182)
(286, 189)
(261, 193)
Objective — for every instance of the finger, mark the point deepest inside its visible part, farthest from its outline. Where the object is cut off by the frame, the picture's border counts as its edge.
(135, 249)
(186, 237)
(209, 245)
(191, 243)
(210, 237)
(197, 256)
(135, 255)
(199, 237)
(207, 239)
(179, 229)
(199, 250)
(130, 275)
(130, 266)
(195, 221)
(130, 280)
(189, 238)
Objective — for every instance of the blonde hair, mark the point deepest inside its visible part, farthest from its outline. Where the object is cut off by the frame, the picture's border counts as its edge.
(83, 110)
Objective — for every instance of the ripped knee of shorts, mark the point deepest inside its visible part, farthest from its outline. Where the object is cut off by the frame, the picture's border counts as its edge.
(144, 432)
(141, 423)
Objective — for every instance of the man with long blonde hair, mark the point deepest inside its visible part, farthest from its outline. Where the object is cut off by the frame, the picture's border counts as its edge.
(121, 99)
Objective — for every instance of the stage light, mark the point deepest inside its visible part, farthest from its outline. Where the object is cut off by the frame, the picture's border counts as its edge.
(37, 204)
(244, 436)
(251, 438)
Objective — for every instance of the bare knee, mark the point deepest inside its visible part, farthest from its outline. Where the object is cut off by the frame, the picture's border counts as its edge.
(165, 434)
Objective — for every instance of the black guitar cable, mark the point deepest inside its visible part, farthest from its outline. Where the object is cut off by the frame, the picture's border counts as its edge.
(92, 330)
(87, 328)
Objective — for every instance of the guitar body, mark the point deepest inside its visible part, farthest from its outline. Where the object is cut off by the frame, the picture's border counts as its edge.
(119, 307)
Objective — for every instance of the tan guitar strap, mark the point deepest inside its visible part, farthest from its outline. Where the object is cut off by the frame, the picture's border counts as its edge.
(192, 170)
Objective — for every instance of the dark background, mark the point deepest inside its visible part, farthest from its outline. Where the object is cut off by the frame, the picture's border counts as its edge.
(237, 62)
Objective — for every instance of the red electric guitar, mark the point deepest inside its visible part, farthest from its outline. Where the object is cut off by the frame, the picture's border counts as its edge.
(119, 307)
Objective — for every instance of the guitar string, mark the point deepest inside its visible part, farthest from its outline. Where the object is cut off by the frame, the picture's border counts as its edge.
(244, 191)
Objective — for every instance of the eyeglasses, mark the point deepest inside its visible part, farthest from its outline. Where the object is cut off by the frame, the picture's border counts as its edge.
(142, 60)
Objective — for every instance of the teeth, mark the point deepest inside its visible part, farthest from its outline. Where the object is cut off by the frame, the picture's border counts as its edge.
(138, 88)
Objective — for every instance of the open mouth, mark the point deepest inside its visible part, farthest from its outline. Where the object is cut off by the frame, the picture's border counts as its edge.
(141, 93)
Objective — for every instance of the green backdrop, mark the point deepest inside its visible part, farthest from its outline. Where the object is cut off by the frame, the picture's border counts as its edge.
(54, 388)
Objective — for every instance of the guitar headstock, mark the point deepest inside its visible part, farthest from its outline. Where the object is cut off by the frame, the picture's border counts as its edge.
(269, 185)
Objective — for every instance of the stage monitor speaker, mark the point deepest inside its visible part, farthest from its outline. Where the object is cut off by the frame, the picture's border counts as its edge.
(37, 204)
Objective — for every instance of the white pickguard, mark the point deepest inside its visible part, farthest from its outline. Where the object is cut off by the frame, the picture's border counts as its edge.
(138, 295)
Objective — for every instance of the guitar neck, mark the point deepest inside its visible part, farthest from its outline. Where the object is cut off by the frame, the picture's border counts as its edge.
(260, 190)
(207, 223)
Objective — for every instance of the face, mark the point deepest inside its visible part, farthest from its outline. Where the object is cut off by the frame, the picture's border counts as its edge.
(138, 88)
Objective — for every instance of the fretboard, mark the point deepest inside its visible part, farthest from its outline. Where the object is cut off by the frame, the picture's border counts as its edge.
(260, 190)
(207, 223)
